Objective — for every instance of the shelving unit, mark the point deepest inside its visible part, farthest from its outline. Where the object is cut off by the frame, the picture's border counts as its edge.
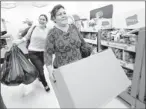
(118, 45)
(127, 65)
(90, 41)
(135, 94)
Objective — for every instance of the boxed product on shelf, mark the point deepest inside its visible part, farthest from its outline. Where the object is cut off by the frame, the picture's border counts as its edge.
(104, 34)
(129, 57)
(88, 35)
(118, 53)
(93, 36)
(88, 25)
(92, 23)
(78, 24)
(133, 40)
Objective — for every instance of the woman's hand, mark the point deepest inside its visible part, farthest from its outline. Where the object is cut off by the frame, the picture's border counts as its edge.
(17, 41)
(7, 35)
(51, 70)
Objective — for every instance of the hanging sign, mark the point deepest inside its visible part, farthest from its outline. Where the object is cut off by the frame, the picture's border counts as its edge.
(132, 20)
(103, 12)
(102, 16)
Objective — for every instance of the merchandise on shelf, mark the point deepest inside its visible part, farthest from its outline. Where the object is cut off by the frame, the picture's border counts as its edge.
(78, 24)
(118, 53)
(88, 35)
(92, 23)
(94, 36)
(104, 34)
(130, 57)
(119, 36)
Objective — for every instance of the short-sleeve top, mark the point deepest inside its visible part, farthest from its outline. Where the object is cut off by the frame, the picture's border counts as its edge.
(65, 46)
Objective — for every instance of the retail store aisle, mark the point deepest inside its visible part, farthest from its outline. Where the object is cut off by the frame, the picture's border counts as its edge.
(37, 97)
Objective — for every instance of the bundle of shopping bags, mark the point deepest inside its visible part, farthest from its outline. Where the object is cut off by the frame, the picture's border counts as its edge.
(17, 69)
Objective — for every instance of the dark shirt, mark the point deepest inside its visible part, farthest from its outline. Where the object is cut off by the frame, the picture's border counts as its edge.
(65, 46)
(3, 42)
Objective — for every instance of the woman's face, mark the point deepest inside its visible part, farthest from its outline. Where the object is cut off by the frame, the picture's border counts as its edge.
(61, 17)
(42, 20)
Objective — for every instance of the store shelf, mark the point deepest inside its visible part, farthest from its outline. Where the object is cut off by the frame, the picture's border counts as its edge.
(89, 30)
(118, 45)
(127, 65)
(91, 41)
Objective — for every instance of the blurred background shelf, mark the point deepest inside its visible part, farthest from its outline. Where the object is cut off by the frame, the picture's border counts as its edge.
(118, 45)
(91, 41)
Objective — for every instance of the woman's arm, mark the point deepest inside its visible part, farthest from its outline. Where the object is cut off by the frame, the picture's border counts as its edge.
(7, 35)
(48, 54)
(28, 35)
(83, 41)
(25, 38)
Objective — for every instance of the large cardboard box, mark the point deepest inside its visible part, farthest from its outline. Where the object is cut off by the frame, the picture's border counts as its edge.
(90, 82)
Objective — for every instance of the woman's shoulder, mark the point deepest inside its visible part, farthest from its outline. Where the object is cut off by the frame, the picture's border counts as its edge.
(53, 31)
(73, 27)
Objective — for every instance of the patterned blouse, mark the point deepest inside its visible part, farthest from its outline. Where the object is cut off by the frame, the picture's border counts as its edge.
(65, 46)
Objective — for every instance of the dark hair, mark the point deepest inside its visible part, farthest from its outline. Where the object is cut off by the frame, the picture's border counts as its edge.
(44, 16)
(55, 10)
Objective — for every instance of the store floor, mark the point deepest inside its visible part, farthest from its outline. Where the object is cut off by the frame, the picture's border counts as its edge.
(37, 97)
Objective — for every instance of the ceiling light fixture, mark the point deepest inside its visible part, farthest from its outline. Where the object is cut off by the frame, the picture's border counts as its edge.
(8, 5)
(39, 4)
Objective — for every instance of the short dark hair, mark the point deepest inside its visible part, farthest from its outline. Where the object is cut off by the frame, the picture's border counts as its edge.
(55, 10)
(44, 16)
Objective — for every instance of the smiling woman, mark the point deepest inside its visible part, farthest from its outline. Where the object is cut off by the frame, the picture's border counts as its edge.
(64, 40)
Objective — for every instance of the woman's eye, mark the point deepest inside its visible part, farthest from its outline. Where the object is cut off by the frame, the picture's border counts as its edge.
(60, 14)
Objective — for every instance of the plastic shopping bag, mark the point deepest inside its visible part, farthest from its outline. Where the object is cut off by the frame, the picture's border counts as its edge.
(12, 72)
(17, 69)
(29, 69)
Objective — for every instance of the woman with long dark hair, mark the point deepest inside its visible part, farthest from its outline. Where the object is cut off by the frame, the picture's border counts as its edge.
(37, 36)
